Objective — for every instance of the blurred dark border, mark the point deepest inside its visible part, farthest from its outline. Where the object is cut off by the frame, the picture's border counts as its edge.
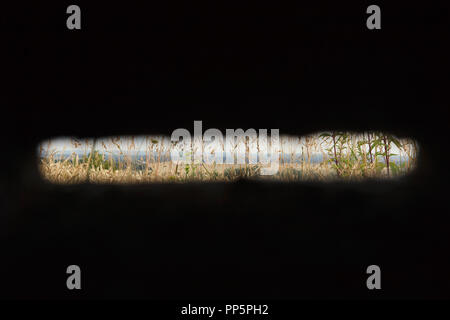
(149, 69)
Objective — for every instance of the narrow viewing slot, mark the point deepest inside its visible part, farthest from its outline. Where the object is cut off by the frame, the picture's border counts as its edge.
(324, 156)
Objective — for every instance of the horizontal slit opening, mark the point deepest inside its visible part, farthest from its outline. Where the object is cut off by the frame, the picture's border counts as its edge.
(323, 156)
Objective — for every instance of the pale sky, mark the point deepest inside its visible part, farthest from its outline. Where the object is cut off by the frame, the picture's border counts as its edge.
(140, 144)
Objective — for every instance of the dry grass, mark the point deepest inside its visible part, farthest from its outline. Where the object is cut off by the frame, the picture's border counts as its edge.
(295, 162)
